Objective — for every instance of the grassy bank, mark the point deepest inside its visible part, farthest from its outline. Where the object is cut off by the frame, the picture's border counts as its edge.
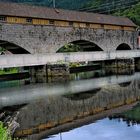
(9, 71)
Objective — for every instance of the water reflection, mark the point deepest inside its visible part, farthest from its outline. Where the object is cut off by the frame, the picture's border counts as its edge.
(131, 117)
(28, 93)
(48, 109)
(58, 113)
(13, 83)
(101, 130)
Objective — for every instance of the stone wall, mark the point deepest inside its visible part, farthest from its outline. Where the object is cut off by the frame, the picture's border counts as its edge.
(42, 39)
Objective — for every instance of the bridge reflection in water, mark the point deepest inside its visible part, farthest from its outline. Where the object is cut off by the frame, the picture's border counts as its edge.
(51, 109)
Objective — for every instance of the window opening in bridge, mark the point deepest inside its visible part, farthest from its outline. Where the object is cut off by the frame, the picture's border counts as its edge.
(102, 26)
(87, 25)
(2, 18)
(139, 40)
(29, 20)
(51, 22)
(122, 28)
(70, 23)
(0, 27)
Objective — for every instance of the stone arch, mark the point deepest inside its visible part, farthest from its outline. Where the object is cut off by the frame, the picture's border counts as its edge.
(83, 95)
(126, 84)
(12, 47)
(138, 84)
(124, 46)
(85, 45)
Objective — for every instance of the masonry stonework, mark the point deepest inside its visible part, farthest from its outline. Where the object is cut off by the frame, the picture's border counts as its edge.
(49, 39)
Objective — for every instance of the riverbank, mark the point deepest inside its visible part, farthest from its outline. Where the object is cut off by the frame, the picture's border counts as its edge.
(8, 125)
(4, 134)
(9, 71)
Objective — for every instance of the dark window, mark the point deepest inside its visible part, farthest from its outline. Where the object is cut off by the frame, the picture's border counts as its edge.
(2, 18)
(29, 20)
(102, 25)
(70, 23)
(122, 28)
(87, 25)
(51, 22)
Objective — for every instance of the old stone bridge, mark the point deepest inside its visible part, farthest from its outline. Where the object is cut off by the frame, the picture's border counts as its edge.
(49, 39)
(34, 30)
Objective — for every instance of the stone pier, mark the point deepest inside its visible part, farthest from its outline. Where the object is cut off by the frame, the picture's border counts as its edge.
(120, 63)
(42, 73)
(58, 69)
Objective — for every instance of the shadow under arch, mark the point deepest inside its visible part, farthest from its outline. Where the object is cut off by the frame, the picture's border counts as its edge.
(138, 84)
(126, 84)
(123, 46)
(82, 95)
(13, 48)
(80, 46)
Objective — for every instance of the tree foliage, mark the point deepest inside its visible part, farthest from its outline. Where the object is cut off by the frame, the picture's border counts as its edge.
(64, 4)
(132, 13)
(70, 48)
(93, 3)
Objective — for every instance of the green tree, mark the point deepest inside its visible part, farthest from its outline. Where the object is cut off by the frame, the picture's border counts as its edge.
(132, 13)
(70, 48)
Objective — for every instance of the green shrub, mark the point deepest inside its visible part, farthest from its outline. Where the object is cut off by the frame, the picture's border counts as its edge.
(8, 71)
(4, 133)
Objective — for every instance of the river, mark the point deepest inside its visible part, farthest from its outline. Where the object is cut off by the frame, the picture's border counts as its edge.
(93, 105)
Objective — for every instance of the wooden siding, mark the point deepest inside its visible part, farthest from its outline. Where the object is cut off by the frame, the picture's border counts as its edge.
(35, 21)
(62, 23)
(78, 24)
(95, 26)
(16, 20)
(112, 27)
(129, 28)
(40, 21)
(83, 25)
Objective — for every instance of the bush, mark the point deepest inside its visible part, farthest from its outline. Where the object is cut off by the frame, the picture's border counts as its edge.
(4, 133)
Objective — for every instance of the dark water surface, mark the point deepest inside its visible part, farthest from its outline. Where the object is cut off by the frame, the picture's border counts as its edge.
(90, 105)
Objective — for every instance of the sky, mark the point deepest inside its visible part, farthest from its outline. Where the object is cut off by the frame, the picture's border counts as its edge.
(101, 130)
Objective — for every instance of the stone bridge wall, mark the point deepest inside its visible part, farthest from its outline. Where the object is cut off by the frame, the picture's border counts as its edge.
(42, 39)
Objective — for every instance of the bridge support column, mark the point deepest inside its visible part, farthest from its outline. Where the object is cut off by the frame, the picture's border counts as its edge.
(43, 73)
(120, 63)
(38, 74)
(125, 63)
(58, 70)
(120, 66)
(137, 63)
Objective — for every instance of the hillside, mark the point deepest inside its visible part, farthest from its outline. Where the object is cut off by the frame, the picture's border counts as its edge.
(64, 4)
(130, 9)
(133, 13)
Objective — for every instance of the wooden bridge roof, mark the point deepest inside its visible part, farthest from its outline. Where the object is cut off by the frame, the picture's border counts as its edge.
(23, 10)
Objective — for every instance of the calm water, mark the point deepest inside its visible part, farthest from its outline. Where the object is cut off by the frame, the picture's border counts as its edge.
(90, 105)
(101, 130)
